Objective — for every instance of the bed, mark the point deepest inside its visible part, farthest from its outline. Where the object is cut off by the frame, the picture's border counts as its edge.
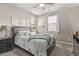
(36, 44)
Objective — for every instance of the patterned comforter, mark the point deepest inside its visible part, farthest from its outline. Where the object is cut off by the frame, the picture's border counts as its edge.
(34, 44)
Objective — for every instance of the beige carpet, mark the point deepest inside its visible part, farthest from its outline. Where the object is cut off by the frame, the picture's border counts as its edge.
(60, 50)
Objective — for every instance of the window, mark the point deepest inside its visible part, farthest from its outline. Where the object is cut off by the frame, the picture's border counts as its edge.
(41, 21)
(42, 24)
(15, 21)
(20, 21)
(52, 23)
(33, 21)
(23, 22)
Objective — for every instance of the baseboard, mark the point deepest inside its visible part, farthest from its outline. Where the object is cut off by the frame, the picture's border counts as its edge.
(64, 42)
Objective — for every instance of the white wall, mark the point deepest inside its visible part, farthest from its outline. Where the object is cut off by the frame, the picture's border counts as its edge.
(69, 23)
(7, 11)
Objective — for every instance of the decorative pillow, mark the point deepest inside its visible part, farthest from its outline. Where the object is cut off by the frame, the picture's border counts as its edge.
(23, 33)
(26, 33)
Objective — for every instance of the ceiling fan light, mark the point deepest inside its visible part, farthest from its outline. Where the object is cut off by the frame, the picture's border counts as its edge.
(41, 5)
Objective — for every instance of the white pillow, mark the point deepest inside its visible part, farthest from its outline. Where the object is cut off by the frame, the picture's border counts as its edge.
(33, 33)
(27, 33)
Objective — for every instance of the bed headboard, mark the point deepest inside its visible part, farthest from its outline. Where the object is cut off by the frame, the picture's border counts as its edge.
(19, 28)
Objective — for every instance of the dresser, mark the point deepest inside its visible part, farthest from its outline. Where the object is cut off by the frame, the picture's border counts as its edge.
(6, 45)
(76, 46)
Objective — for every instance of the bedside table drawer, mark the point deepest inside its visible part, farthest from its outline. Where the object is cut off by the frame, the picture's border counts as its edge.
(6, 45)
(1, 41)
(9, 41)
(4, 41)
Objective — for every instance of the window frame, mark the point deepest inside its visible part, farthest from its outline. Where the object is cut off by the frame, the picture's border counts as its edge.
(57, 24)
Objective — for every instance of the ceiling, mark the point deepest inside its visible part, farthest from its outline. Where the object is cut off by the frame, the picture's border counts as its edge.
(38, 11)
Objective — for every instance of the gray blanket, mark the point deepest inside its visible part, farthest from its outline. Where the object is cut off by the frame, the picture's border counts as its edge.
(37, 47)
(41, 37)
(35, 44)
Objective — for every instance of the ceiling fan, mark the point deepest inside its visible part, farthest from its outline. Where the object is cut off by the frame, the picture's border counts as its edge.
(42, 5)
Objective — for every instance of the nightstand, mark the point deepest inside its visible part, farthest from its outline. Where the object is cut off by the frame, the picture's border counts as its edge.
(76, 46)
(6, 45)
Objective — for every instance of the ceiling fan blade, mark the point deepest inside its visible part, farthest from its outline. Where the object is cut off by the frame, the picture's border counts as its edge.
(36, 6)
(49, 3)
